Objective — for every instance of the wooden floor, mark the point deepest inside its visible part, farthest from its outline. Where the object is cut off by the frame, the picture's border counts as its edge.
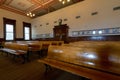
(33, 70)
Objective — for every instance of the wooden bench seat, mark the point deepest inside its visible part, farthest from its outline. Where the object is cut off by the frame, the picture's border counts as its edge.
(9, 50)
(101, 62)
(27, 47)
(16, 50)
(87, 72)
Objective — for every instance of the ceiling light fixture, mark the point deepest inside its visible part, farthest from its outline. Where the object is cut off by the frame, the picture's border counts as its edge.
(64, 1)
(30, 14)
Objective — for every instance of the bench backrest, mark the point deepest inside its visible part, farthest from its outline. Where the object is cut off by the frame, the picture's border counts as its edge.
(92, 43)
(105, 56)
(16, 46)
(40, 44)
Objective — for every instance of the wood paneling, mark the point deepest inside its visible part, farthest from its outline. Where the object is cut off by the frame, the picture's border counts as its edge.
(95, 38)
(19, 39)
(88, 38)
(61, 32)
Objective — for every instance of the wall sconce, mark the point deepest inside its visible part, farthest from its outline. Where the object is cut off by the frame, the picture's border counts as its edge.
(30, 14)
(64, 1)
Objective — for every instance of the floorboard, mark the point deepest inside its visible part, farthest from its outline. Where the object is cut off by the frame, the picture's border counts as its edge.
(33, 70)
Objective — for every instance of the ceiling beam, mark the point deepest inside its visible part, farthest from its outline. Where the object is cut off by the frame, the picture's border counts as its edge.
(41, 5)
(74, 1)
(12, 10)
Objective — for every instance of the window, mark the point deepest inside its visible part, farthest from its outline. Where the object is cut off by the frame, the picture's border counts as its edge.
(9, 32)
(94, 32)
(27, 31)
(100, 32)
(9, 29)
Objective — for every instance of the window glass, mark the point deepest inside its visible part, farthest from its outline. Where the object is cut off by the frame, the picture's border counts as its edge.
(94, 32)
(9, 28)
(27, 33)
(27, 30)
(9, 32)
(9, 36)
(27, 37)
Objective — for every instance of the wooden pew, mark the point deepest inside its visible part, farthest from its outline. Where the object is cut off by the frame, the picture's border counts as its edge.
(16, 49)
(91, 43)
(101, 62)
(42, 46)
(35, 47)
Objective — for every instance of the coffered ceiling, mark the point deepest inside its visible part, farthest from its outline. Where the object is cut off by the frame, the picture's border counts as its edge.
(38, 7)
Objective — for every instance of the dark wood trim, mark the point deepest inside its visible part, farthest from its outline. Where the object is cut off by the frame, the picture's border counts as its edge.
(44, 39)
(60, 32)
(95, 38)
(9, 21)
(19, 39)
(1, 39)
(25, 24)
(87, 38)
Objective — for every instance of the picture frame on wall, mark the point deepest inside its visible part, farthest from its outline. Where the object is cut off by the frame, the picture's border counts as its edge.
(80, 33)
(75, 33)
(118, 30)
(106, 31)
(111, 31)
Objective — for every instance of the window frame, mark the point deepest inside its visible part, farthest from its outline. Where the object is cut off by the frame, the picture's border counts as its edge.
(29, 26)
(11, 22)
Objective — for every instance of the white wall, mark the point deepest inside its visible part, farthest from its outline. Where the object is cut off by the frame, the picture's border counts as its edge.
(106, 17)
(19, 22)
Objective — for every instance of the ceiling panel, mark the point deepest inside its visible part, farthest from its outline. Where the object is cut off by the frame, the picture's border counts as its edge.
(38, 7)
(21, 4)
